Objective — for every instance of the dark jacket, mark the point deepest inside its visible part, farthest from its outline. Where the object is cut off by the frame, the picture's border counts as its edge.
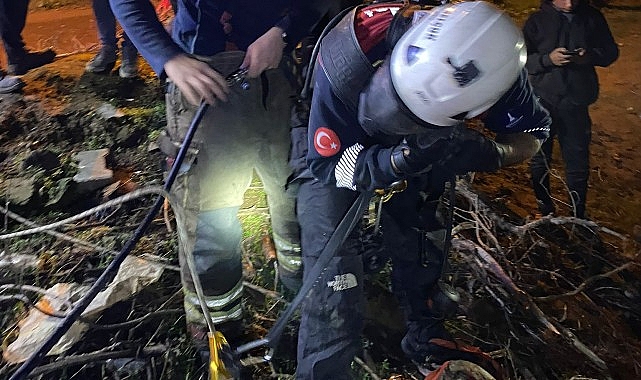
(548, 29)
(197, 28)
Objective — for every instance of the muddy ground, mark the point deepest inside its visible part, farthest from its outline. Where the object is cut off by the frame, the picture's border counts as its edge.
(64, 110)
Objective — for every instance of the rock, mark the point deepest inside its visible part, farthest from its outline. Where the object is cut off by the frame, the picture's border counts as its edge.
(20, 190)
(93, 173)
(62, 194)
(44, 159)
(107, 111)
(129, 137)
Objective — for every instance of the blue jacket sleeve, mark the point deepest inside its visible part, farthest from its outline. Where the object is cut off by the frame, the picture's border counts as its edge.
(519, 110)
(339, 150)
(140, 22)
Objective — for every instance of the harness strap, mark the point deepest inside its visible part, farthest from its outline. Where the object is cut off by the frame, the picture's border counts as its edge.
(344, 63)
(344, 228)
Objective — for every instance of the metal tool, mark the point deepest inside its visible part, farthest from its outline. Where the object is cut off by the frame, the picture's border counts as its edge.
(238, 77)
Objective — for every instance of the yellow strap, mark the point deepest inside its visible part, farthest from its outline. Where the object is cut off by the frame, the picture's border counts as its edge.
(217, 370)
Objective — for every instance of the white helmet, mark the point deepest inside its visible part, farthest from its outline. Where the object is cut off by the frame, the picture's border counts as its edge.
(457, 61)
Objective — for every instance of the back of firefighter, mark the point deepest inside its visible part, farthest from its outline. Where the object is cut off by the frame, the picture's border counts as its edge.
(392, 87)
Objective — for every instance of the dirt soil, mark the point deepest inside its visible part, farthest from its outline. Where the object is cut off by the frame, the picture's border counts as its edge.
(64, 110)
(615, 180)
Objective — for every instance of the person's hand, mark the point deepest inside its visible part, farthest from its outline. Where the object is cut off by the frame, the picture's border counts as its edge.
(473, 152)
(418, 153)
(264, 53)
(562, 56)
(559, 56)
(196, 80)
(580, 57)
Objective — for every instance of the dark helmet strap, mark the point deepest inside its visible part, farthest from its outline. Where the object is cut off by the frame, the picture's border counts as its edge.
(381, 111)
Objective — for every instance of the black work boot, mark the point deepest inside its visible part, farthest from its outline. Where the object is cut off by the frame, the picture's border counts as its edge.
(417, 346)
(103, 62)
(128, 63)
(429, 345)
(546, 207)
(31, 60)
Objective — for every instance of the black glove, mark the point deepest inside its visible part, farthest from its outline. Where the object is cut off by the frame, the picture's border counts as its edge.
(418, 153)
(473, 152)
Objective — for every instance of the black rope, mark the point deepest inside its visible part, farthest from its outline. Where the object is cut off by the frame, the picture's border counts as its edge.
(336, 240)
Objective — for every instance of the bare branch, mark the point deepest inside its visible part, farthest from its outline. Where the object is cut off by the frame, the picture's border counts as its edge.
(76, 360)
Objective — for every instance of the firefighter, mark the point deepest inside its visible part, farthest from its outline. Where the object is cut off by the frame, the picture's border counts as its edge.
(393, 86)
(245, 129)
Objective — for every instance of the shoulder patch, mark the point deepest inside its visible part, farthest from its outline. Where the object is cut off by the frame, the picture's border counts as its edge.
(326, 142)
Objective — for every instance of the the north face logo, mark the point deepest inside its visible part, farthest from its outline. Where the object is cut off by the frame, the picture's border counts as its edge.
(343, 282)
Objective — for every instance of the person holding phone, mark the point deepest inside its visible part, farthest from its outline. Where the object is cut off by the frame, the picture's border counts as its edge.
(565, 40)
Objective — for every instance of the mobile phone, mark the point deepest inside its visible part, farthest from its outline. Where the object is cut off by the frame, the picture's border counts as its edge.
(573, 52)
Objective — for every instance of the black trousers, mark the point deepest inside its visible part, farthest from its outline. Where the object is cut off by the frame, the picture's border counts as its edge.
(332, 314)
(13, 15)
(572, 126)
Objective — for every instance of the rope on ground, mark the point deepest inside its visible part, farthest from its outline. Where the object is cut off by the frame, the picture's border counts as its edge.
(47, 229)
(114, 202)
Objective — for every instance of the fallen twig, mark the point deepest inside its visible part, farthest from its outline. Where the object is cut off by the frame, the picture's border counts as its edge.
(526, 300)
(463, 189)
(367, 369)
(26, 300)
(32, 288)
(92, 357)
(266, 292)
(114, 202)
(585, 283)
(558, 220)
(498, 271)
(133, 322)
(81, 243)
(59, 235)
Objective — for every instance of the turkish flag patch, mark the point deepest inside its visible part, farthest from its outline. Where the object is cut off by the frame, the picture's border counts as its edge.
(326, 142)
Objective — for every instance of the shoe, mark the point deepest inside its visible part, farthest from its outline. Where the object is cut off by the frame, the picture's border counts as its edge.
(459, 369)
(417, 347)
(229, 366)
(103, 62)
(128, 70)
(129, 64)
(545, 208)
(428, 354)
(31, 60)
(10, 84)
